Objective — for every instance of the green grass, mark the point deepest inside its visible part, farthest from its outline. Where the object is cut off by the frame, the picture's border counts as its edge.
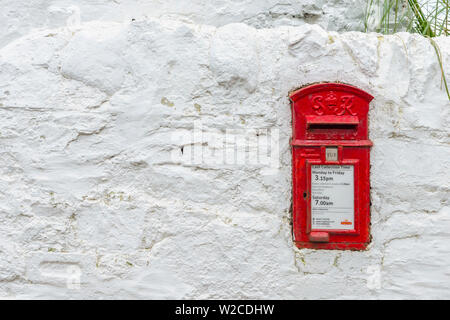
(428, 18)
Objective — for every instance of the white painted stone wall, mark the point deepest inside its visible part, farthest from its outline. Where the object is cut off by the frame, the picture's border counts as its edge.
(100, 198)
(19, 17)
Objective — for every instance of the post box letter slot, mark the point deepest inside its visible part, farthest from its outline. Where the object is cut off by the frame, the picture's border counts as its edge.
(332, 122)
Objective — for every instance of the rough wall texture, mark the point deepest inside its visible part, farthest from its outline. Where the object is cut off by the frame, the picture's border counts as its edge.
(97, 126)
(18, 17)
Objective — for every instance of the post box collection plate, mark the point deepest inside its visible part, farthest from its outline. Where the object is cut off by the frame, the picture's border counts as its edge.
(331, 167)
(332, 197)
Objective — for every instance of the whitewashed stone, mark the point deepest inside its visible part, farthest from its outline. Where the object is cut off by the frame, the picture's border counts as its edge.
(98, 147)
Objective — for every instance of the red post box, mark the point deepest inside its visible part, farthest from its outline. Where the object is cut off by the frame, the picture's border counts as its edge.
(331, 167)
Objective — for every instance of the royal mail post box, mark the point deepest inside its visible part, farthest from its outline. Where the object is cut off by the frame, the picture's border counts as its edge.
(331, 167)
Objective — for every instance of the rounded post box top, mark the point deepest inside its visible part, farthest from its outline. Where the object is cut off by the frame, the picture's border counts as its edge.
(297, 94)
